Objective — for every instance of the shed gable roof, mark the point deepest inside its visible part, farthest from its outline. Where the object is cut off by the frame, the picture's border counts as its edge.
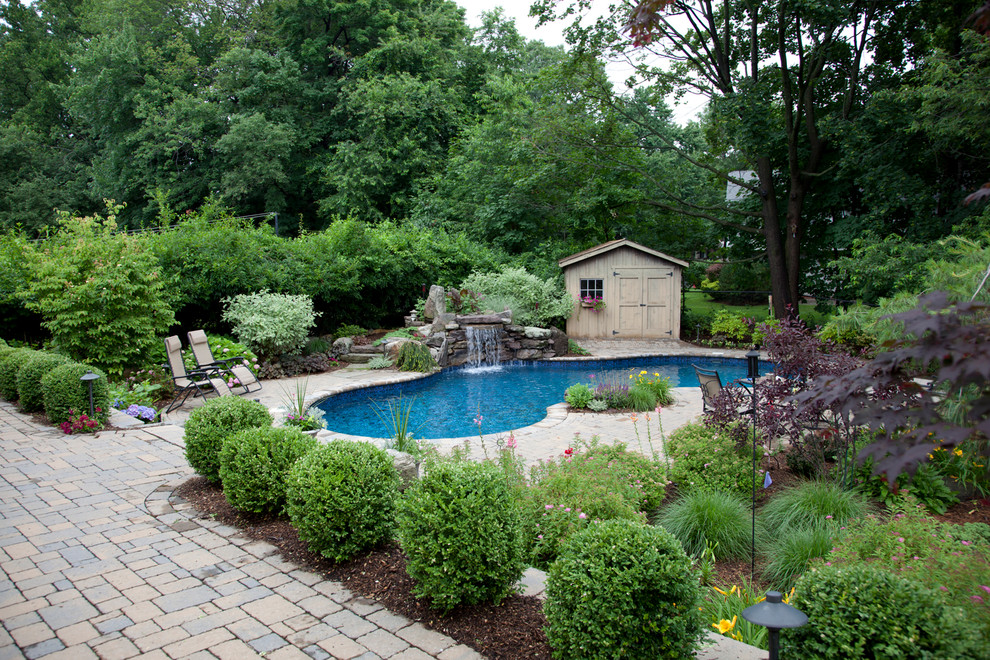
(612, 245)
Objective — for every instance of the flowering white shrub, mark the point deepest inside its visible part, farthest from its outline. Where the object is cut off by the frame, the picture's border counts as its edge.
(270, 323)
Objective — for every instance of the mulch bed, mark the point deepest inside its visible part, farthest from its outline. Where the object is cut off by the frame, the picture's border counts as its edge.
(513, 629)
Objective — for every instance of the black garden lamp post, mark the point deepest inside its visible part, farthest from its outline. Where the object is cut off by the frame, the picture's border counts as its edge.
(753, 364)
(88, 378)
(774, 615)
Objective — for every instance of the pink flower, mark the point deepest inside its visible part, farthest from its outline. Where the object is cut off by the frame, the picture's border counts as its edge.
(965, 542)
(828, 517)
(511, 443)
(549, 506)
(900, 539)
(985, 588)
(539, 536)
(582, 516)
(976, 599)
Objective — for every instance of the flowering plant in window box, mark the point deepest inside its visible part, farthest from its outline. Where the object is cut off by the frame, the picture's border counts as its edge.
(594, 303)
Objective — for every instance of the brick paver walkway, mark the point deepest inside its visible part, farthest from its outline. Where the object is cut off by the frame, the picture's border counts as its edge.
(96, 561)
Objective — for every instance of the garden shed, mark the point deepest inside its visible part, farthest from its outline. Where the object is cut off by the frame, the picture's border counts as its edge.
(624, 290)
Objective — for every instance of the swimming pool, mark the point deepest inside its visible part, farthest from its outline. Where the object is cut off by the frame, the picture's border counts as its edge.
(510, 396)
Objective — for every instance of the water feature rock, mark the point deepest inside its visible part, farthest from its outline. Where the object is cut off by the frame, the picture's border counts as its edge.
(406, 466)
(536, 333)
(506, 316)
(480, 319)
(558, 341)
(393, 347)
(528, 354)
(436, 302)
(341, 346)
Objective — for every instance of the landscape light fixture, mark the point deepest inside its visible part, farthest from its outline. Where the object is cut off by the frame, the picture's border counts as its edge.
(753, 364)
(88, 378)
(774, 615)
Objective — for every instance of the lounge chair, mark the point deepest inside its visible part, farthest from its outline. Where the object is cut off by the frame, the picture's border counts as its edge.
(198, 382)
(711, 385)
(238, 374)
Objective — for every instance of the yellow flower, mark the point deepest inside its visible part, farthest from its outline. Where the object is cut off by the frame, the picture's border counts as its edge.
(720, 591)
(656, 374)
(725, 625)
(930, 457)
(641, 373)
(958, 452)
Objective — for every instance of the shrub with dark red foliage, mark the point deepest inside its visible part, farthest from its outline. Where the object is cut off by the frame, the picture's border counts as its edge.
(799, 358)
(948, 342)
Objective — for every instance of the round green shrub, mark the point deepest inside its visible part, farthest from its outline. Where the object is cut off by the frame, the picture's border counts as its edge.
(10, 365)
(866, 612)
(460, 528)
(578, 396)
(341, 498)
(30, 395)
(65, 395)
(254, 464)
(707, 457)
(623, 590)
(216, 419)
(814, 504)
(709, 520)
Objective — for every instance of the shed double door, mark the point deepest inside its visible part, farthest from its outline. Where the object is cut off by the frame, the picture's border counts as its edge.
(645, 302)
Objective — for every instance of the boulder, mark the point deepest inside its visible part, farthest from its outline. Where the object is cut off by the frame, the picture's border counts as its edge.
(436, 302)
(392, 348)
(341, 346)
(558, 341)
(528, 354)
(536, 333)
(406, 466)
(480, 319)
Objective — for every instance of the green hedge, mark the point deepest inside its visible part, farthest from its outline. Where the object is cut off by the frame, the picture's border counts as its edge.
(621, 589)
(460, 528)
(254, 464)
(10, 364)
(341, 498)
(211, 423)
(64, 394)
(867, 612)
(31, 396)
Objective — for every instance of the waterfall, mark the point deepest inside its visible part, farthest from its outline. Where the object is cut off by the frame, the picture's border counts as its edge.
(484, 346)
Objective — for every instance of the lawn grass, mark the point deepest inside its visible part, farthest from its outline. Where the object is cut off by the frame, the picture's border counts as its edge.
(699, 303)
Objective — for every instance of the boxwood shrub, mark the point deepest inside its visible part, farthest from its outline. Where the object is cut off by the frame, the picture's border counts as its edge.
(10, 365)
(460, 529)
(341, 498)
(65, 395)
(216, 419)
(621, 589)
(30, 395)
(865, 611)
(254, 464)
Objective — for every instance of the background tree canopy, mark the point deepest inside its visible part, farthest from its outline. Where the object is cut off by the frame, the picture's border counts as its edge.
(859, 120)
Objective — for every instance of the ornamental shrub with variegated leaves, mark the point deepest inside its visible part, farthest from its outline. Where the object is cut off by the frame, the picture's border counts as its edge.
(621, 589)
(271, 324)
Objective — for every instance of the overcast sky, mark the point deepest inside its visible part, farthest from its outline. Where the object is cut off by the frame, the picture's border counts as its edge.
(552, 34)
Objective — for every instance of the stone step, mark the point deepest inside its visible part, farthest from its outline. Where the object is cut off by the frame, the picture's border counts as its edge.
(357, 358)
(367, 349)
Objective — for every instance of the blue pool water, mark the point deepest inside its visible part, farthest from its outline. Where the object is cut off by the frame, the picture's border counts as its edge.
(507, 397)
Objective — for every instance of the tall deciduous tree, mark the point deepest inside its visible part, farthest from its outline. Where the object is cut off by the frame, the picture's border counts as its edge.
(780, 76)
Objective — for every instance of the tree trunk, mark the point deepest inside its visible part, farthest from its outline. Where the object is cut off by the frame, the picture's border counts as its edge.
(779, 282)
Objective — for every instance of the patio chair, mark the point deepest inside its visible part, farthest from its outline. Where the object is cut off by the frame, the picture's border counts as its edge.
(711, 385)
(198, 382)
(235, 370)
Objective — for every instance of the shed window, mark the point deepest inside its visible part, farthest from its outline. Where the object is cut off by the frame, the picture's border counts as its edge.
(593, 289)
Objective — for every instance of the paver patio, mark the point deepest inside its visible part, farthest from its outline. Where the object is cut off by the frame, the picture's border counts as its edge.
(98, 560)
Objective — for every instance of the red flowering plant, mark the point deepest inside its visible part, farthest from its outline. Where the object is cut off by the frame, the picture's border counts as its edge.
(80, 423)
